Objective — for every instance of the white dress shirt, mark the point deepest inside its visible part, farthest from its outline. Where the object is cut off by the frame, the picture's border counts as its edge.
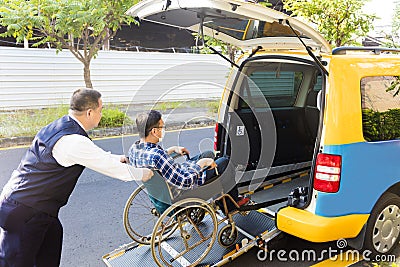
(78, 149)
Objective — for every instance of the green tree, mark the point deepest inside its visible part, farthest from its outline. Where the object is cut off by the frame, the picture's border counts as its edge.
(394, 86)
(226, 49)
(395, 38)
(265, 3)
(82, 27)
(396, 25)
(339, 21)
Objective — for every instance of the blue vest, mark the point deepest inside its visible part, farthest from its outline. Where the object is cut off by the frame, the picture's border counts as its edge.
(39, 181)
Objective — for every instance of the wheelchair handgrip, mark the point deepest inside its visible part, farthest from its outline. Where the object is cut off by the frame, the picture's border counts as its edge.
(187, 156)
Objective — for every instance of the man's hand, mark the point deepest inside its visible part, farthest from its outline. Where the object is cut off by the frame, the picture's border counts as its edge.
(204, 162)
(178, 149)
(182, 150)
(124, 159)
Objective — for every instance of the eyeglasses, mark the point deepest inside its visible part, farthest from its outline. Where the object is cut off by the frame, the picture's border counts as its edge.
(159, 127)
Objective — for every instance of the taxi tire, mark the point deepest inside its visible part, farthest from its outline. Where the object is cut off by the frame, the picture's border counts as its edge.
(384, 221)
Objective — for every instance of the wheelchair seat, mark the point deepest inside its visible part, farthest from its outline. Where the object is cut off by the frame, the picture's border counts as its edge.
(163, 195)
(159, 192)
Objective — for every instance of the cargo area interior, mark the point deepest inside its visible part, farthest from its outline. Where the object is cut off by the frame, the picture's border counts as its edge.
(291, 90)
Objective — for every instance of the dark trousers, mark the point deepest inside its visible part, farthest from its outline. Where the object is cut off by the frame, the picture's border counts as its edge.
(222, 164)
(28, 237)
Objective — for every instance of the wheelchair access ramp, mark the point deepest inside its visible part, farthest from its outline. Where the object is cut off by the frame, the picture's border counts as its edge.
(254, 229)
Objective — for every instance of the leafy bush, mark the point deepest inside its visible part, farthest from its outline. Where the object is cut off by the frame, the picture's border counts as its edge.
(379, 126)
(28, 122)
(113, 118)
(213, 106)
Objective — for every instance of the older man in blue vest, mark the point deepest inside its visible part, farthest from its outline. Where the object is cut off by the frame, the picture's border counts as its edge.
(31, 233)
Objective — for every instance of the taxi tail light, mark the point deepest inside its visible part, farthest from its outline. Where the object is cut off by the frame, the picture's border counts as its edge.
(216, 145)
(327, 173)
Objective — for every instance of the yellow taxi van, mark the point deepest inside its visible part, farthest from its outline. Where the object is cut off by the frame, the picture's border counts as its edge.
(293, 105)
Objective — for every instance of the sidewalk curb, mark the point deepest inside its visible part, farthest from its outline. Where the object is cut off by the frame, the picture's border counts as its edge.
(15, 141)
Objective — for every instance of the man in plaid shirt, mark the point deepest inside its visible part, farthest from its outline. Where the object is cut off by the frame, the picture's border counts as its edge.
(183, 176)
(146, 153)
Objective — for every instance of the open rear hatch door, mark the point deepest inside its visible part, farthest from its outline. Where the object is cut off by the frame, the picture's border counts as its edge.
(238, 23)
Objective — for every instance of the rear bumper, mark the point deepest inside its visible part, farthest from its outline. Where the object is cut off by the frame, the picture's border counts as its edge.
(315, 228)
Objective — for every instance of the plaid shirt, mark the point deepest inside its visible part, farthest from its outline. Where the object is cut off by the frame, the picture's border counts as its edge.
(149, 155)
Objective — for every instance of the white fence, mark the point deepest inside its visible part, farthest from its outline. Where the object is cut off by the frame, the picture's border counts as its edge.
(33, 78)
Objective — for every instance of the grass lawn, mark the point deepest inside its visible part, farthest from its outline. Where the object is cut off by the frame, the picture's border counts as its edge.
(27, 122)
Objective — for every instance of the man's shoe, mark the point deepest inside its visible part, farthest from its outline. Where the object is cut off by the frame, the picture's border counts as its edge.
(243, 201)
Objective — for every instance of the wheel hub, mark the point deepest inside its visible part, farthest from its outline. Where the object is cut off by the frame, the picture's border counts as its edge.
(386, 229)
(185, 235)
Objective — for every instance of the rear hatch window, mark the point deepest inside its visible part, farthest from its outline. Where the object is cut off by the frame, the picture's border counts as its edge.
(280, 89)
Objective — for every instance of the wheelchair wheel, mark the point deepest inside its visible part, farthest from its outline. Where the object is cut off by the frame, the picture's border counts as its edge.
(140, 216)
(196, 215)
(192, 239)
(226, 237)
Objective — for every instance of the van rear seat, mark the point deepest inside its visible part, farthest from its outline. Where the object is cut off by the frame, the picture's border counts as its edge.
(293, 141)
(311, 113)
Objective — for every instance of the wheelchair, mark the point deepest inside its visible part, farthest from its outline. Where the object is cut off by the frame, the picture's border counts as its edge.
(188, 218)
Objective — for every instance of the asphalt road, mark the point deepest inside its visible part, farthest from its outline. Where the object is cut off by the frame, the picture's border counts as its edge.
(92, 219)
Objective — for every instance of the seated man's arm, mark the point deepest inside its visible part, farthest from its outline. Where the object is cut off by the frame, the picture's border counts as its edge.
(182, 176)
(206, 162)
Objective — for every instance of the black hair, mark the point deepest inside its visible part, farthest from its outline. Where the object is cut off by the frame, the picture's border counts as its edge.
(147, 121)
(84, 99)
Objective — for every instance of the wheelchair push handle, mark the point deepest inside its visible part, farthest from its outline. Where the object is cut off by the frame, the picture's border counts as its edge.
(187, 156)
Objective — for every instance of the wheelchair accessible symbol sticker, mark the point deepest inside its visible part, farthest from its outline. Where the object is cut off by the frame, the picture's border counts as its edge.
(240, 131)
